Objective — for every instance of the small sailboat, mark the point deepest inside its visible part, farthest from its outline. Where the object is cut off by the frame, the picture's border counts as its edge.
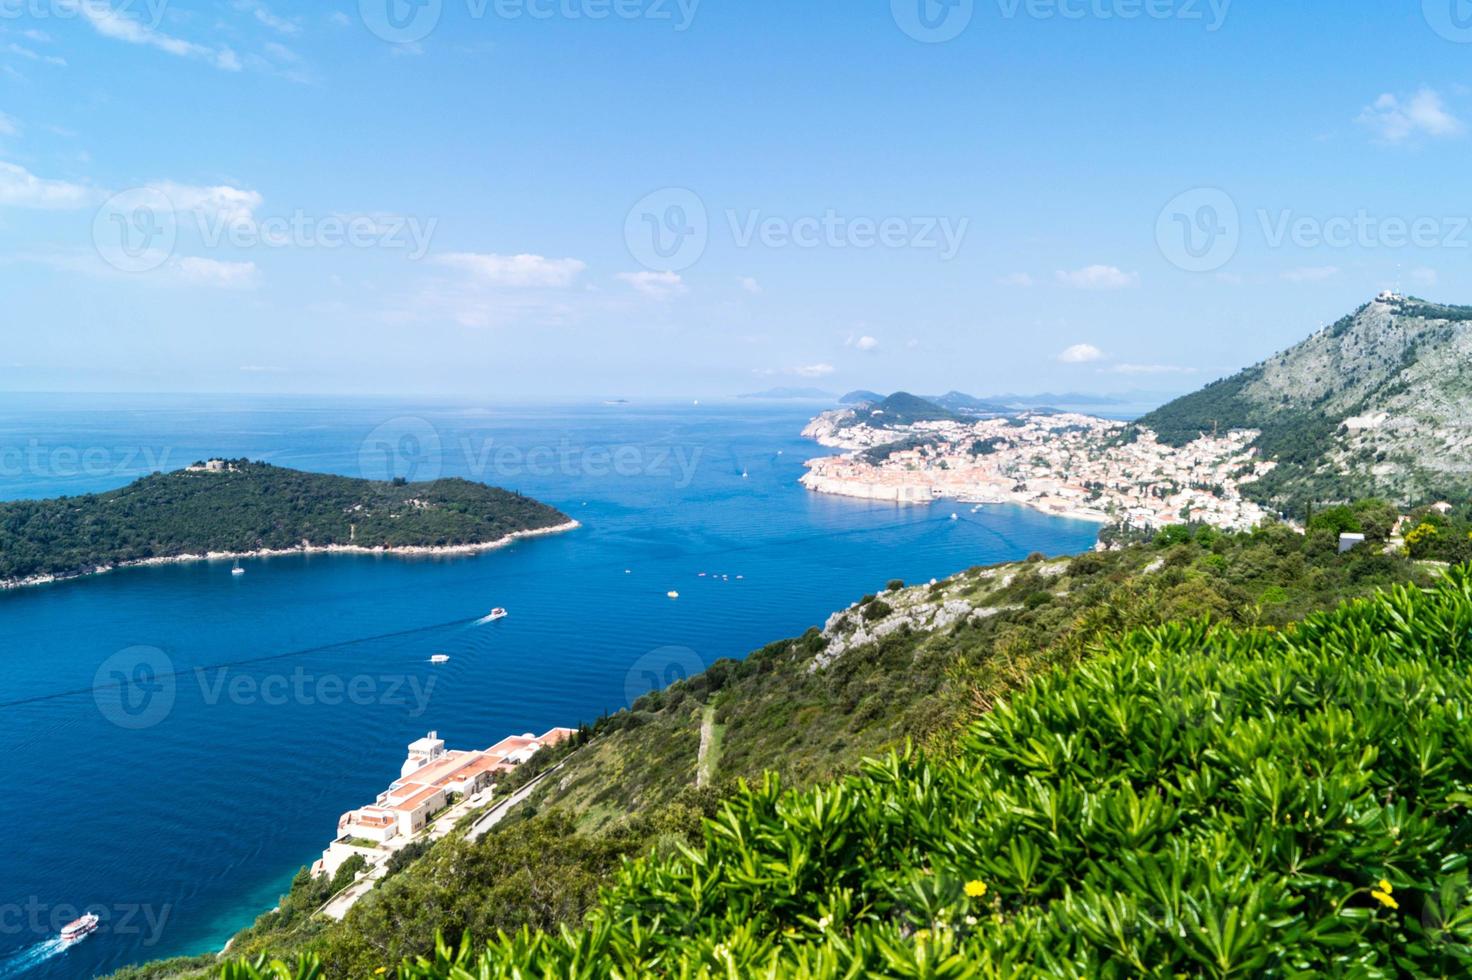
(237, 570)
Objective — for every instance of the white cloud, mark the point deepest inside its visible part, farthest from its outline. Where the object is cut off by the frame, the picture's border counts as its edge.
(1019, 279)
(1311, 273)
(813, 370)
(1425, 277)
(1081, 354)
(749, 284)
(19, 188)
(520, 271)
(216, 274)
(115, 24)
(30, 55)
(223, 203)
(1097, 277)
(8, 126)
(867, 343)
(340, 19)
(1151, 369)
(1392, 120)
(655, 285)
(264, 15)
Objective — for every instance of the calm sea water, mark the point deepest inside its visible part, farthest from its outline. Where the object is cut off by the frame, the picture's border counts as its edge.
(176, 741)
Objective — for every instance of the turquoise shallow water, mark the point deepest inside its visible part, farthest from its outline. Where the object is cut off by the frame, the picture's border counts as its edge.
(180, 800)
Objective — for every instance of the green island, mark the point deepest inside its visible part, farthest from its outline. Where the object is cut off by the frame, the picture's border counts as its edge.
(1202, 754)
(239, 507)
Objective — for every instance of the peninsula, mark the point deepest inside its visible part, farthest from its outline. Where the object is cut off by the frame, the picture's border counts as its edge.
(1372, 406)
(1064, 464)
(240, 508)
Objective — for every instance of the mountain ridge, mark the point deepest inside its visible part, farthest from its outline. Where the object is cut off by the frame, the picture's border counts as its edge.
(1368, 406)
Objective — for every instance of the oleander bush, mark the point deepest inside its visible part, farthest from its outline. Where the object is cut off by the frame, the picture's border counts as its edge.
(1198, 800)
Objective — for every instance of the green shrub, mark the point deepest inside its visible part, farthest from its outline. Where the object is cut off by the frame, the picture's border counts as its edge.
(876, 610)
(1197, 801)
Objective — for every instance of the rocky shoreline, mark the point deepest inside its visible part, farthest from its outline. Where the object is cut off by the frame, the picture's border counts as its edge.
(306, 548)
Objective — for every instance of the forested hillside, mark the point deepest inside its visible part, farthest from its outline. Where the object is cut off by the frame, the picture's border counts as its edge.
(918, 664)
(248, 507)
(1373, 405)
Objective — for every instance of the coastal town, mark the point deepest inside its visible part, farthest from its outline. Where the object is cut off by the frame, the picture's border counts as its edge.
(1064, 464)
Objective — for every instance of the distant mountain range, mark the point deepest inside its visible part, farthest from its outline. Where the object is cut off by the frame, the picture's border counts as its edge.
(1377, 404)
(950, 405)
(1006, 404)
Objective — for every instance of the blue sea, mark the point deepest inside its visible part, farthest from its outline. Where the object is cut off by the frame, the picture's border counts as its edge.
(176, 741)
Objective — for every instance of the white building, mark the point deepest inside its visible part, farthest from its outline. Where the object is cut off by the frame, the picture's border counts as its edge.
(430, 775)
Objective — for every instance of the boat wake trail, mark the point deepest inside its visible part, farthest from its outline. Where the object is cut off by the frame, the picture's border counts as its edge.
(31, 957)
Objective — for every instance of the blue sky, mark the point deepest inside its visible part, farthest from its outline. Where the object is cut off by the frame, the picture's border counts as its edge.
(682, 198)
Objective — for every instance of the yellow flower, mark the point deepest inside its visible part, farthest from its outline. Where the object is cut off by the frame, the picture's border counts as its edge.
(976, 889)
(1385, 886)
(1385, 900)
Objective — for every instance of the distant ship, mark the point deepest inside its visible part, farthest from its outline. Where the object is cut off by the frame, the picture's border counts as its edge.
(672, 594)
(497, 613)
(439, 658)
(80, 928)
(237, 570)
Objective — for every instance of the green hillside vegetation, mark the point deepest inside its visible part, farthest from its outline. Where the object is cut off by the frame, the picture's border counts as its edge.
(1404, 358)
(1194, 800)
(250, 507)
(632, 789)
